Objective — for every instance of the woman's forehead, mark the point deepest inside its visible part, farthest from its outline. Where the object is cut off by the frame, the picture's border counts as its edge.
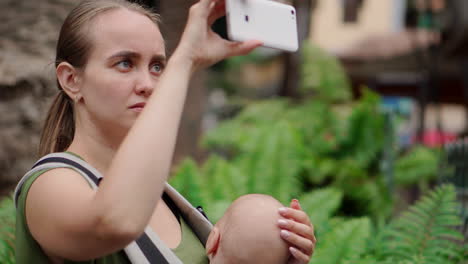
(120, 29)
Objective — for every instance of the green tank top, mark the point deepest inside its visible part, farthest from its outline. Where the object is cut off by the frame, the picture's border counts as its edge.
(28, 251)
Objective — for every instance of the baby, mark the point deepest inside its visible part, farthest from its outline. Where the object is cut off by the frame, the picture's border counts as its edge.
(248, 233)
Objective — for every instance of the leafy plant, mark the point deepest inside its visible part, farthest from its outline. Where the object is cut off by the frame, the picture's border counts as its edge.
(236, 136)
(420, 164)
(7, 231)
(321, 205)
(187, 180)
(426, 233)
(270, 167)
(347, 241)
(316, 144)
(323, 75)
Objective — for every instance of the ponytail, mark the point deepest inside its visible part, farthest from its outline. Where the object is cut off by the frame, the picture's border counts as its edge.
(59, 127)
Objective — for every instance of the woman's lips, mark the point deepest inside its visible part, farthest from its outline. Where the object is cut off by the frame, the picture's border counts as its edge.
(138, 107)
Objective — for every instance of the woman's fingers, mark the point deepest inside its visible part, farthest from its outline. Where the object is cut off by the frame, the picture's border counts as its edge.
(241, 48)
(297, 228)
(202, 8)
(298, 231)
(299, 256)
(297, 221)
(304, 244)
(295, 204)
(217, 11)
(206, 4)
(295, 214)
(203, 46)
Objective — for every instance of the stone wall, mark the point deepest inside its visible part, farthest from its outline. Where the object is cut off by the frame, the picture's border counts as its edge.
(28, 33)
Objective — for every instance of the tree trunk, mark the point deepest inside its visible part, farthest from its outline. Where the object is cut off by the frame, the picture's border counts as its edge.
(174, 16)
(292, 61)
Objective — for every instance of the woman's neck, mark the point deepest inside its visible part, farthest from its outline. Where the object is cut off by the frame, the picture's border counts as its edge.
(95, 146)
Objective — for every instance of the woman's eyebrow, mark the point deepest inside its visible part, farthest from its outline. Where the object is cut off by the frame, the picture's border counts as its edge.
(161, 58)
(132, 54)
(125, 54)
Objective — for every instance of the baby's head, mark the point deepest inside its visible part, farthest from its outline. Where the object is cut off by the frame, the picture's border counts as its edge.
(248, 233)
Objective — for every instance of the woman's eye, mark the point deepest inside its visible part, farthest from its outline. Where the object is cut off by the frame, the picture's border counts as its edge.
(157, 67)
(124, 65)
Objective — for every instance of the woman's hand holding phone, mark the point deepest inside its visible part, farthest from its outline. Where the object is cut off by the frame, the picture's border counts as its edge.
(200, 45)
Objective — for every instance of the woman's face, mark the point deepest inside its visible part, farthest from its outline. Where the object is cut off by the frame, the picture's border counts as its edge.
(126, 61)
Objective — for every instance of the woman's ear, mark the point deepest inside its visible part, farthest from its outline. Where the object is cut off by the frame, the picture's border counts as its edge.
(69, 79)
(212, 244)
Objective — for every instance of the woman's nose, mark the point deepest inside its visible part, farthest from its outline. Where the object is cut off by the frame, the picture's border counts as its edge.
(145, 85)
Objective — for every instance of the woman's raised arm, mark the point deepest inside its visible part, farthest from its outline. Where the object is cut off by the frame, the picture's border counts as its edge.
(71, 221)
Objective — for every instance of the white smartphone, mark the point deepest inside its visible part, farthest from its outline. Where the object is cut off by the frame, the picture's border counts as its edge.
(271, 22)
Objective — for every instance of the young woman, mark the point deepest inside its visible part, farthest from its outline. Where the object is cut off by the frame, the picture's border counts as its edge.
(118, 108)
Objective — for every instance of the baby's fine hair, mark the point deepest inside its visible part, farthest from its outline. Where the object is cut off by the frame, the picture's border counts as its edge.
(249, 231)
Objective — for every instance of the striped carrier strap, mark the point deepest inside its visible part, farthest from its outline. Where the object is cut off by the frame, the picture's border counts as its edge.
(147, 249)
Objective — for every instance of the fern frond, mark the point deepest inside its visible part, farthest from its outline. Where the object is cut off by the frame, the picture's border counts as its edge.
(419, 164)
(320, 134)
(346, 242)
(365, 134)
(212, 171)
(365, 260)
(323, 75)
(215, 209)
(264, 111)
(220, 181)
(224, 137)
(320, 205)
(426, 232)
(463, 254)
(236, 136)
(363, 195)
(273, 163)
(187, 180)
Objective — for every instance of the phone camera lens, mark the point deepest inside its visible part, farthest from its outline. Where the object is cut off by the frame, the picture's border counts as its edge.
(292, 12)
(246, 18)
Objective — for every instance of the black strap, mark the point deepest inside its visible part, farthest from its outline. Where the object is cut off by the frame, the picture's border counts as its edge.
(200, 209)
(90, 175)
(150, 251)
(171, 206)
(148, 248)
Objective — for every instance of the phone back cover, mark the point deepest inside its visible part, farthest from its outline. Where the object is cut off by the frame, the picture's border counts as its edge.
(273, 23)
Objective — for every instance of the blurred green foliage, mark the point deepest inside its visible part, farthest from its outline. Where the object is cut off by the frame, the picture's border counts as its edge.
(329, 156)
(426, 233)
(314, 144)
(322, 75)
(7, 231)
(330, 153)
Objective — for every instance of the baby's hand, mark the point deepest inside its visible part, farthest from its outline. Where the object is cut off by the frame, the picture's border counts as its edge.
(298, 231)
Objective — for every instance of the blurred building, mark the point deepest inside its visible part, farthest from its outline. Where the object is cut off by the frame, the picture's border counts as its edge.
(411, 48)
(333, 31)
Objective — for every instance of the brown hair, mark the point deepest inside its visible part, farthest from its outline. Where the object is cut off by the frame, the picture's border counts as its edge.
(74, 47)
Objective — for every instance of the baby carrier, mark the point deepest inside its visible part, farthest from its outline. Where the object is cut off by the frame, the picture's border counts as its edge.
(148, 248)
